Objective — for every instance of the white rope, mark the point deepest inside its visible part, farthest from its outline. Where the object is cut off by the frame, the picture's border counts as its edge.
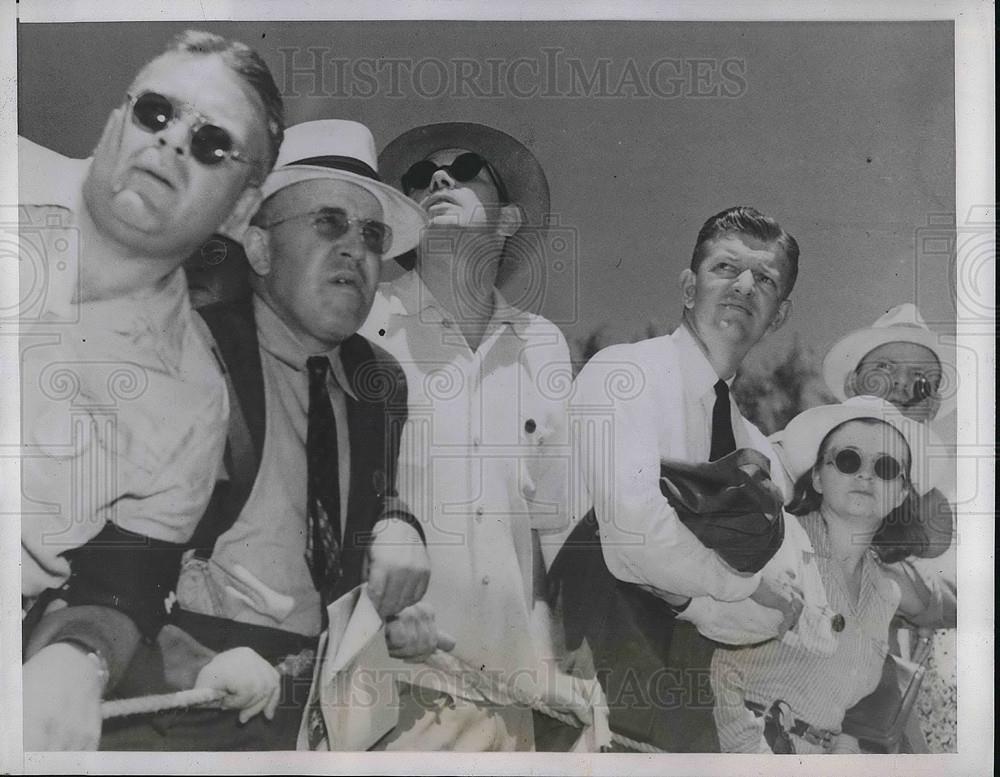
(139, 705)
(497, 692)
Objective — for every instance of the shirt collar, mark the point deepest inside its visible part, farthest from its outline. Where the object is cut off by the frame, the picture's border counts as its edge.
(409, 296)
(279, 341)
(819, 536)
(699, 374)
(505, 313)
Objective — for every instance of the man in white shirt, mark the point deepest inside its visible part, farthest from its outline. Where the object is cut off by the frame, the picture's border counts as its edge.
(124, 404)
(483, 460)
(669, 398)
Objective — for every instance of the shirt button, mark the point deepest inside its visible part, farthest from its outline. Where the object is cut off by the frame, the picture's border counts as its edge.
(486, 579)
(838, 623)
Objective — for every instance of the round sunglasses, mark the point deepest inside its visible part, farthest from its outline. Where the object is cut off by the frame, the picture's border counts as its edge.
(849, 461)
(210, 144)
(333, 223)
(463, 168)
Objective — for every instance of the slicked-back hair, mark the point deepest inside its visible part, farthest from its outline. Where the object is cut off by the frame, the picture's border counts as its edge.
(249, 66)
(744, 220)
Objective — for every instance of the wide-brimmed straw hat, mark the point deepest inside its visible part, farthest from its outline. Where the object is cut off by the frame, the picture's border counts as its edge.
(345, 151)
(516, 166)
(805, 433)
(902, 323)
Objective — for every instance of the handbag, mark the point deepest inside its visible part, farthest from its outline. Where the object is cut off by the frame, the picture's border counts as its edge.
(731, 505)
(879, 719)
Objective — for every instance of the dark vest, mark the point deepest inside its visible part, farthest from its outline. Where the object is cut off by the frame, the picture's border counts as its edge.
(375, 422)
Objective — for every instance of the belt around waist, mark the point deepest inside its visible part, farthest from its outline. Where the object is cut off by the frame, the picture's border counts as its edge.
(812, 734)
(221, 634)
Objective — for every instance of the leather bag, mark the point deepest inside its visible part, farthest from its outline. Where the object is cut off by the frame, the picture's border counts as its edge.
(731, 505)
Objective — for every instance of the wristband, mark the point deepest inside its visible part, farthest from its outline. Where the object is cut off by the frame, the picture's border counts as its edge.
(407, 518)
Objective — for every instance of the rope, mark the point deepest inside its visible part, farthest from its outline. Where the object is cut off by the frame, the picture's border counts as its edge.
(501, 693)
(165, 701)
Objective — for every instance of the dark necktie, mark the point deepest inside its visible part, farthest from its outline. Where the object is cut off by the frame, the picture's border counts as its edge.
(323, 490)
(723, 441)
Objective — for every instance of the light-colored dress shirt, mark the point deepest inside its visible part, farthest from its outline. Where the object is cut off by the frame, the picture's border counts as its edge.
(483, 460)
(634, 405)
(257, 572)
(124, 406)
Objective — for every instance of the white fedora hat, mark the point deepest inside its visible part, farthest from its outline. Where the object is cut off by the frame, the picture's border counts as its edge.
(805, 433)
(902, 323)
(345, 151)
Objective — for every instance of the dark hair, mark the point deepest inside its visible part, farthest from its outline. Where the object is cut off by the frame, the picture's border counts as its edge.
(249, 66)
(744, 220)
(805, 499)
(902, 532)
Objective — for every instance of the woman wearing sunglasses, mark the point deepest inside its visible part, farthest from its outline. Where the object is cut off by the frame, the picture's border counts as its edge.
(853, 464)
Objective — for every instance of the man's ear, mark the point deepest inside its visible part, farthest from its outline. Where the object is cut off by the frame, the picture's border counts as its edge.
(780, 316)
(688, 283)
(257, 245)
(511, 219)
(238, 219)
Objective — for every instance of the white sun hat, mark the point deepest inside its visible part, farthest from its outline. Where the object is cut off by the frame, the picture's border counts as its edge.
(345, 151)
(805, 433)
(902, 323)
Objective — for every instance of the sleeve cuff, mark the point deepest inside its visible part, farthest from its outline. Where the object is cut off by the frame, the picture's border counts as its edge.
(110, 634)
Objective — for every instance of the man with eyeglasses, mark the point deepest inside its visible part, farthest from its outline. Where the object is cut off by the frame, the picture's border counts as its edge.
(308, 509)
(900, 359)
(124, 405)
(479, 458)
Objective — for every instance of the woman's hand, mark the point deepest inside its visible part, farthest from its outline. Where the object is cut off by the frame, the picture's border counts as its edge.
(251, 684)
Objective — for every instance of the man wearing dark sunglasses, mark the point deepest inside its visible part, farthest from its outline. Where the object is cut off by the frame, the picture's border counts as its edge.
(479, 460)
(180, 158)
(309, 508)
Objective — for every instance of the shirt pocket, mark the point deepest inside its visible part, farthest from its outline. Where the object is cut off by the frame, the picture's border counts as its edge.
(541, 466)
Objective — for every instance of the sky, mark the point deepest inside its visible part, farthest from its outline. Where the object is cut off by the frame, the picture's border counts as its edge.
(842, 131)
